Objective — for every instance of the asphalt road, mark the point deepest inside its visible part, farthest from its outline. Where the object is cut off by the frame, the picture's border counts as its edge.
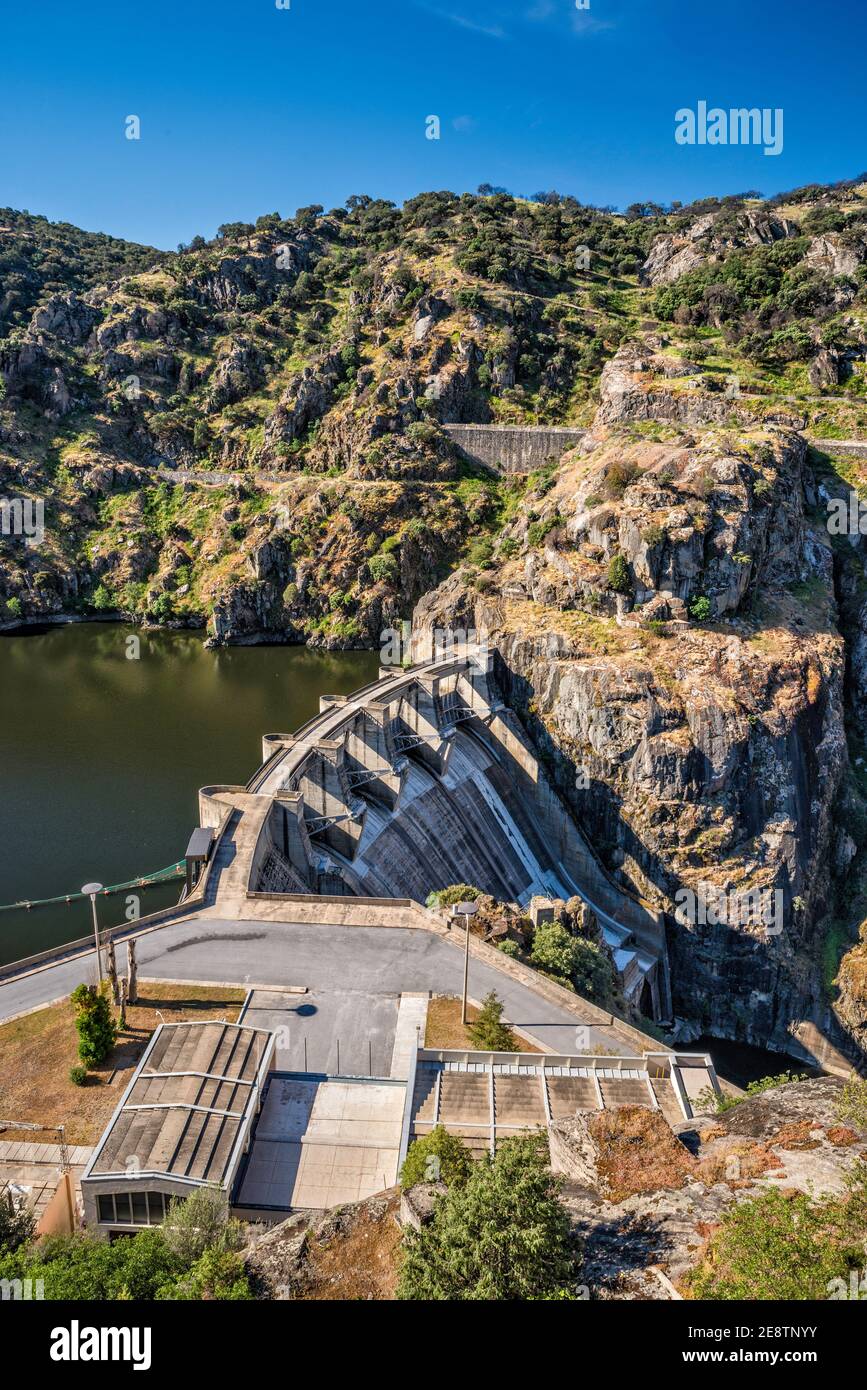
(350, 971)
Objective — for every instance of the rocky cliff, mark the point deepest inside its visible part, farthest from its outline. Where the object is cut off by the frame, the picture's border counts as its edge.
(249, 435)
(668, 623)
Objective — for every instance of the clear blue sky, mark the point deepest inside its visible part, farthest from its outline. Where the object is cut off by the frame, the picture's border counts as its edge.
(246, 108)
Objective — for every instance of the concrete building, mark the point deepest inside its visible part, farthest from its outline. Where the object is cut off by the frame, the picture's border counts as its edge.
(184, 1121)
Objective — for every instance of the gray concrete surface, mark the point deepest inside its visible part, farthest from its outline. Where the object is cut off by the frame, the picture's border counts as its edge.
(350, 965)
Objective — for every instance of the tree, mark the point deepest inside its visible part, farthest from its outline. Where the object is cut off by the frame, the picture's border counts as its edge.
(554, 949)
(200, 1222)
(619, 578)
(79, 1267)
(97, 1033)
(489, 1031)
(454, 893)
(436, 1157)
(501, 1235)
(217, 1275)
(17, 1224)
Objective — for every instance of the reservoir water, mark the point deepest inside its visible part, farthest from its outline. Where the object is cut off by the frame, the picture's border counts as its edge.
(101, 757)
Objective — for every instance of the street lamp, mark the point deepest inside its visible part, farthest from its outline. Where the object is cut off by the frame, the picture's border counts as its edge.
(91, 890)
(465, 910)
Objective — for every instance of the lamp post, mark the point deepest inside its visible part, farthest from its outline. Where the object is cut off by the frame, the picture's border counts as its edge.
(91, 890)
(465, 910)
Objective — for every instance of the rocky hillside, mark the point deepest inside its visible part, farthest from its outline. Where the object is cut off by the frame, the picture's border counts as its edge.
(305, 367)
(248, 435)
(654, 1212)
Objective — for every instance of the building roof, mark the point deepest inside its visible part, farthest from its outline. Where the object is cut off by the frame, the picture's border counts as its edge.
(189, 1102)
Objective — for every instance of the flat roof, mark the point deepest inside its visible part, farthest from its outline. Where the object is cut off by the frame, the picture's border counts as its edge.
(200, 843)
(186, 1105)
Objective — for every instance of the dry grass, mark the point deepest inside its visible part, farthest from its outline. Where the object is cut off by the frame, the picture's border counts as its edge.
(638, 1152)
(361, 1263)
(444, 1027)
(38, 1050)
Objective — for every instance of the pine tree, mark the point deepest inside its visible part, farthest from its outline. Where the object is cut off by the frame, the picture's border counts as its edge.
(489, 1032)
(97, 1033)
(501, 1235)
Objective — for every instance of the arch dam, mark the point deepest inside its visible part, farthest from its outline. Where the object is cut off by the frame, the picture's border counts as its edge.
(422, 779)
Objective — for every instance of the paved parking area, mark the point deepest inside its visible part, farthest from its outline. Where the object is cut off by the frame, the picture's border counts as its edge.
(339, 1031)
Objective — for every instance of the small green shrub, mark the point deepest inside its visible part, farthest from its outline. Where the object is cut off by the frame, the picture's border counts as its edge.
(700, 609)
(78, 1076)
(383, 568)
(455, 893)
(489, 1032)
(436, 1157)
(619, 578)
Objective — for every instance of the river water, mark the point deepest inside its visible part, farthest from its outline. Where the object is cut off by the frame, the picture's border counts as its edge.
(101, 756)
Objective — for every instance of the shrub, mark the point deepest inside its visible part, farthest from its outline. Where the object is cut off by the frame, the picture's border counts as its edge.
(79, 1267)
(97, 1031)
(489, 1032)
(78, 1076)
(481, 552)
(618, 476)
(502, 1235)
(538, 530)
(699, 609)
(422, 432)
(619, 578)
(455, 893)
(436, 1157)
(510, 948)
(852, 1104)
(654, 534)
(17, 1224)
(217, 1275)
(777, 1247)
(102, 599)
(382, 568)
(553, 949)
(198, 1223)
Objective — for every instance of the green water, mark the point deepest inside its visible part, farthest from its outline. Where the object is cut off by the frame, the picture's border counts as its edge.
(101, 757)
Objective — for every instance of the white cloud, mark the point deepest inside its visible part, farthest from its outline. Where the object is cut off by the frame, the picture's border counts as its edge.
(490, 31)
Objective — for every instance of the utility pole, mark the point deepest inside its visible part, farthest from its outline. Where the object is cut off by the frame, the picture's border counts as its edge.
(465, 910)
(91, 890)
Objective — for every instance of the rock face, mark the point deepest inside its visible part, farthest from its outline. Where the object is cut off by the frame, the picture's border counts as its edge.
(789, 1137)
(836, 256)
(705, 240)
(348, 1254)
(699, 760)
(634, 386)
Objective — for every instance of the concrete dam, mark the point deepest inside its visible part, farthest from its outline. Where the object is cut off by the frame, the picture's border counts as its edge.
(423, 779)
(513, 448)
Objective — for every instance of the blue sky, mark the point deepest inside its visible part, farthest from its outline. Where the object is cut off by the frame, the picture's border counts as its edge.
(246, 108)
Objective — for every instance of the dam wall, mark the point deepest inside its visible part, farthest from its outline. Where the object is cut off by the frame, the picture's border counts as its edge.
(425, 779)
(513, 449)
